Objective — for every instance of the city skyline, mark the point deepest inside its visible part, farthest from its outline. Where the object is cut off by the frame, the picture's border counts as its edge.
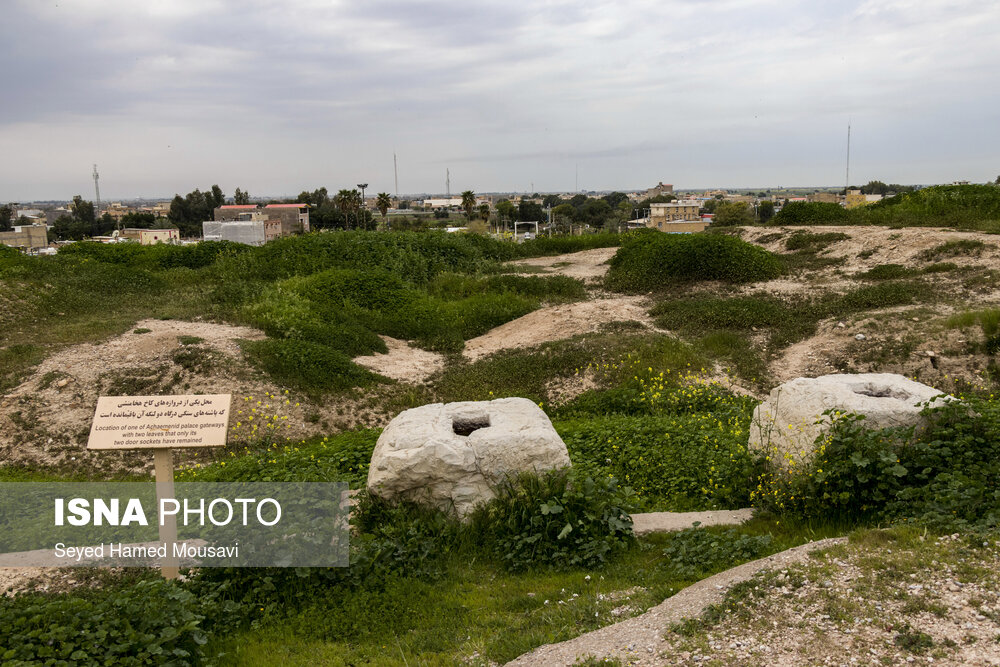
(511, 97)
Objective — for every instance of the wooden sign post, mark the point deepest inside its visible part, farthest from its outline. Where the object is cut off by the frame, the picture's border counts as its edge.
(161, 423)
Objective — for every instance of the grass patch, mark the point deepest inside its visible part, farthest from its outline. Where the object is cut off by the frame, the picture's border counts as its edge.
(309, 367)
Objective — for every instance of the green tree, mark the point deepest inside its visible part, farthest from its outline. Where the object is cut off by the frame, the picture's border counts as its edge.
(469, 203)
(241, 198)
(551, 201)
(217, 197)
(615, 198)
(765, 210)
(506, 210)
(6, 216)
(383, 202)
(529, 211)
(484, 211)
(83, 211)
(730, 213)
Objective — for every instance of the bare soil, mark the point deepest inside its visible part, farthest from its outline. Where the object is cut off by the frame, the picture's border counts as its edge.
(587, 265)
(403, 362)
(558, 322)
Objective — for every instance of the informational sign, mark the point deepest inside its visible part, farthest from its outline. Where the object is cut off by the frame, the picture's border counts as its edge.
(160, 422)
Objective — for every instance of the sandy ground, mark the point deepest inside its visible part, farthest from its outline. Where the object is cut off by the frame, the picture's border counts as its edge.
(639, 640)
(556, 323)
(403, 362)
(584, 265)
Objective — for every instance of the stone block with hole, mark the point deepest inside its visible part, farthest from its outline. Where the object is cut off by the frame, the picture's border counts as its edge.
(450, 455)
(788, 424)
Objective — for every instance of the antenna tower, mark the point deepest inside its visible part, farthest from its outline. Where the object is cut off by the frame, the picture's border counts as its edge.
(97, 194)
(447, 182)
(395, 171)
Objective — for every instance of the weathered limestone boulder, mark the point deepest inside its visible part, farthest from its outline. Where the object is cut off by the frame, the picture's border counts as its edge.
(785, 425)
(448, 455)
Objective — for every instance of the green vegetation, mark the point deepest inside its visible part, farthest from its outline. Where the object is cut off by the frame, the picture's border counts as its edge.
(889, 272)
(960, 206)
(651, 260)
(953, 249)
(809, 242)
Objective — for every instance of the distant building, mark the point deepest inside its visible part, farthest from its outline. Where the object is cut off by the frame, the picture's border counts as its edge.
(27, 237)
(824, 197)
(682, 216)
(290, 218)
(659, 189)
(442, 202)
(117, 210)
(150, 236)
(855, 199)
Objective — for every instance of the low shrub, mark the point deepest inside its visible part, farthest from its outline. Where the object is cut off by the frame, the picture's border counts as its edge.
(308, 366)
(987, 319)
(972, 247)
(809, 242)
(560, 245)
(696, 551)
(556, 520)
(149, 623)
(649, 261)
(941, 267)
(945, 476)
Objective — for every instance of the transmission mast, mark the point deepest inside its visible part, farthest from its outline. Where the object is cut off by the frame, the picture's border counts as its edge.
(447, 183)
(847, 171)
(97, 194)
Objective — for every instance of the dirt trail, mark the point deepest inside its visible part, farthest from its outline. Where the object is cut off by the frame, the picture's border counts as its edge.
(556, 323)
(584, 265)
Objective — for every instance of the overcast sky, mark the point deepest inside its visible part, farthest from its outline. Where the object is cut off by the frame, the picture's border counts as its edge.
(276, 97)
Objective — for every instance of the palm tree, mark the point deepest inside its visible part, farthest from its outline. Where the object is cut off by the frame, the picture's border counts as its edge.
(484, 211)
(347, 201)
(468, 202)
(383, 202)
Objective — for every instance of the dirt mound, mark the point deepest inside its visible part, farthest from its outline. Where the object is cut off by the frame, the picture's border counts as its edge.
(46, 419)
(558, 322)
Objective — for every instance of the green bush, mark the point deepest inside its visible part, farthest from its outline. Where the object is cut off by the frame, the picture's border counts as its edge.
(555, 520)
(810, 213)
(150, 623)
(941, 267)
(308, 366)
(649, 261)
(962, 206)
(560, 245)
(887, 272)
(458, 286)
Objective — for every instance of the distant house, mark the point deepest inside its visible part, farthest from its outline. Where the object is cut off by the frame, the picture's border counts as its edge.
(855, 199)
(150, 236)
(682, 216)
(252, 226)
(659, 189)
(290, 218)
(26, 237)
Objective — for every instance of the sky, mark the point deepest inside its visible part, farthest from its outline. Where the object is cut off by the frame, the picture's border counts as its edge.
(166, 96)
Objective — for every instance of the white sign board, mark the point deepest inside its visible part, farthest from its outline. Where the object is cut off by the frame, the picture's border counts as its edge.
(160, 422)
